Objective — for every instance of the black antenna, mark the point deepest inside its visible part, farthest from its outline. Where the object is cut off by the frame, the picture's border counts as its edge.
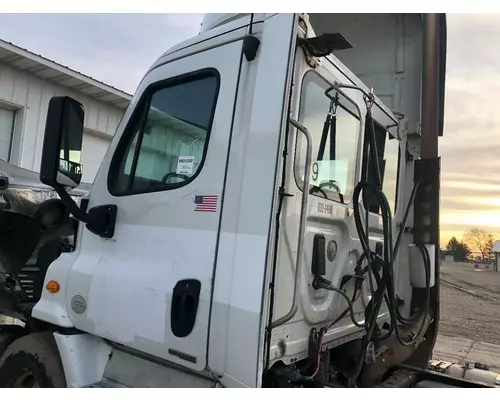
(250, 42)
(250, 28)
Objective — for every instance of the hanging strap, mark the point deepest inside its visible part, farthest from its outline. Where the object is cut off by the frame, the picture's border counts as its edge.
(329, 126)
(371, 140)
(333, 136)
(324, 136)
(371, 171)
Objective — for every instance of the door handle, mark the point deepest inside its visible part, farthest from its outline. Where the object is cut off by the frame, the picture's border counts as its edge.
(185, 299)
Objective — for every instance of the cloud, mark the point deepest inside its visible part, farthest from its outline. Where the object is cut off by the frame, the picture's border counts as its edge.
(119, 48)
(470, 192)
(114, 48)
(471, 38)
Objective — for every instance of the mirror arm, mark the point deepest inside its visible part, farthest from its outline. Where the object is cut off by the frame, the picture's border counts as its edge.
(73, 208)
(99, 220)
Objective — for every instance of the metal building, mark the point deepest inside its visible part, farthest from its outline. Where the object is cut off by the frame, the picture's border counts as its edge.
(496, 251)
(27, 83)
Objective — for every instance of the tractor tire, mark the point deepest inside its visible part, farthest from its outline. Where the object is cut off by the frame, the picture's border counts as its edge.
(32, 361)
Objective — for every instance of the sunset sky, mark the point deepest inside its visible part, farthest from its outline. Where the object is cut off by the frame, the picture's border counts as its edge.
(119, 48)
(470, 192)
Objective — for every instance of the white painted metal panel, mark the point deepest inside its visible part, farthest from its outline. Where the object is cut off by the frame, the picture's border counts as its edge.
(93, 151)
(159, 240)
(30, 95)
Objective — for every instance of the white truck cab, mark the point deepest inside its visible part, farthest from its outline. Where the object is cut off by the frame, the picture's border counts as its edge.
(266, 214)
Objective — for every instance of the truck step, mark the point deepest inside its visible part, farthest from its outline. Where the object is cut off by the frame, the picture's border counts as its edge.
(106, 383)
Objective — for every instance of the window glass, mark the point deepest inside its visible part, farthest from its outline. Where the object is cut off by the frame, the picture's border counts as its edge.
(335, 148)
(169, 140)
(388, 159)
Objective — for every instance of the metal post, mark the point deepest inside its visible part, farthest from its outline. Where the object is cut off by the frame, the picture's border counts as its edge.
(430, 87)
(427, 169)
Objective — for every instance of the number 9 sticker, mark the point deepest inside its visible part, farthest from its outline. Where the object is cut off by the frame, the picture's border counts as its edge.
(315, 171)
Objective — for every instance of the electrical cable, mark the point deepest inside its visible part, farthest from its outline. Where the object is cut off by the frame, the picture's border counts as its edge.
(355, 298)
(405, 219)
(385, 283)
(318, 362)
(381, 266)
(281, 197)
(322, 283)
(426, 257)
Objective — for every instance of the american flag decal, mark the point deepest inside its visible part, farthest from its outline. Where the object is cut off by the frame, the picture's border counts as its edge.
(205, 203)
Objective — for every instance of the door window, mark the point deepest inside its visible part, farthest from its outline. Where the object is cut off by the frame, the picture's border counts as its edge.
(165, 144)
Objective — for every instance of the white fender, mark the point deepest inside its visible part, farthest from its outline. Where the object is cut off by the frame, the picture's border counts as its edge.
(84, 358)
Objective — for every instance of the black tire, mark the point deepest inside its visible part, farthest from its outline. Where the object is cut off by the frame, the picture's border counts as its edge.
(32, 361)
(9, 333)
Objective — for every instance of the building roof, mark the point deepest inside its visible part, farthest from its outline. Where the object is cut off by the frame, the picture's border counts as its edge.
(496, 246)
(34, 64)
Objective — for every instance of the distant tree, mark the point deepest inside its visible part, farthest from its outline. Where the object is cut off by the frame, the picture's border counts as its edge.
(489, 248)
(482, 240)
(452, 244)
(459, 250)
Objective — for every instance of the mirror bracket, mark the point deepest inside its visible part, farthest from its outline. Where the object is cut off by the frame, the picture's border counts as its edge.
(99, 220)
(102, 219)
(73, 208)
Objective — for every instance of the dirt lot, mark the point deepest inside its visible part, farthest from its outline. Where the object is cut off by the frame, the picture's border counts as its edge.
(470, 303)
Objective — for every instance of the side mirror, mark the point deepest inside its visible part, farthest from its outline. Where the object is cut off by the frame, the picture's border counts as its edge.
(60, 168)
(62, 144)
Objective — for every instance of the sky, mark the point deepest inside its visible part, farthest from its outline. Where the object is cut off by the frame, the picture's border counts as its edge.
(118, 49)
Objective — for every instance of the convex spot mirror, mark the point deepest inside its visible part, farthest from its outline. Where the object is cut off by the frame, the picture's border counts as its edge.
(62, 143)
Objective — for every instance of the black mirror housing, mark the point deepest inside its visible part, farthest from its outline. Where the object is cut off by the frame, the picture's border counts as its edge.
(60, 168)
(62, 143)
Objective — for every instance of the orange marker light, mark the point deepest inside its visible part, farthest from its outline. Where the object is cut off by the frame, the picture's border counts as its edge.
(53, 286)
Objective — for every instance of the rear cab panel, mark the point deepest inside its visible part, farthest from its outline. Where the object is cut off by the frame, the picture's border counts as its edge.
(387, 57)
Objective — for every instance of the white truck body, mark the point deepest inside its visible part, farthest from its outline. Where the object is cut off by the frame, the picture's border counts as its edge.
(210, 247)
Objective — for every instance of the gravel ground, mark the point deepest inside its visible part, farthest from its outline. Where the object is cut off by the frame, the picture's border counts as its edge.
(474, 316)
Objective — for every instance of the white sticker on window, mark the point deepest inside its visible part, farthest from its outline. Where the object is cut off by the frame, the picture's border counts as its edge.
(185, 165)
(324, 173)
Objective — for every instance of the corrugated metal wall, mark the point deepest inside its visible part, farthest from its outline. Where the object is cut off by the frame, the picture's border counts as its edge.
(29, 96)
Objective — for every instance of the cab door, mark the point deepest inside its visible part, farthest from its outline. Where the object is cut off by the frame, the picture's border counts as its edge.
(149, 286)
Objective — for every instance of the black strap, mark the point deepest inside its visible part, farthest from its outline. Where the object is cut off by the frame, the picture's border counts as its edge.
(333, 136)
(329, 126)
(324, 136)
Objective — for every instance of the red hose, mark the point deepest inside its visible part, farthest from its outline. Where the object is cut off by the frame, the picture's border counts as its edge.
(318, 363)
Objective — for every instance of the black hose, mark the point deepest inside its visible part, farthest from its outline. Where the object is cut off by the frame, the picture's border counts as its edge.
(385, 282)
(321, 283)
(344, 313)
(405, 219)
(426, 257)
(382, 267)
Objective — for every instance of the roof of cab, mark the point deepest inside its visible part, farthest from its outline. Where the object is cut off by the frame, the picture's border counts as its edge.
(215, 25)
